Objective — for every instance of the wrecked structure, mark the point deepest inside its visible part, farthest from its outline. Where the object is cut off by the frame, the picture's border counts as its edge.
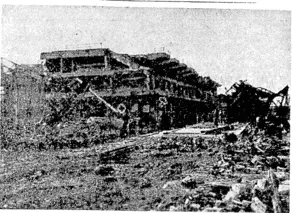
(246, 103)
(154, 90)
(230, 168)
(21, 97)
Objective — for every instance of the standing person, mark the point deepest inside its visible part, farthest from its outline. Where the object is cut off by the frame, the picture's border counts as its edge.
(217, 117)
(125, 128)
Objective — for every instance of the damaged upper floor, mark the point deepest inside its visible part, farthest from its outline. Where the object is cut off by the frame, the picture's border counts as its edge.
(102, 63)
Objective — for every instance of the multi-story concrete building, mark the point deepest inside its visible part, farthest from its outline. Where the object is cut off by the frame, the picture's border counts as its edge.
(152, 87)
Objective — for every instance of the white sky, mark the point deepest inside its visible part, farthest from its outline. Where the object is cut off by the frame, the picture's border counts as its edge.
(227, 45)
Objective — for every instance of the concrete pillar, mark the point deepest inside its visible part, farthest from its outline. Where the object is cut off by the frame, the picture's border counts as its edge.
(147, 80)
(107, 62)
(110, 82)
(72, 65)
(61, 64)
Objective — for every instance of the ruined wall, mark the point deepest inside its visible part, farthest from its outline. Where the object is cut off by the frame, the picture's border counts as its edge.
(22, 104)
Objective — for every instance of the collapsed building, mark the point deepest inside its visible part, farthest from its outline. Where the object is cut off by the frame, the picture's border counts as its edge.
(154, 89)
(259, 106)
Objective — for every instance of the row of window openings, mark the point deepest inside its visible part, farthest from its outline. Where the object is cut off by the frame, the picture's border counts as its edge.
(179, 90)
(159, 84)
(106, 84)
(164, 85)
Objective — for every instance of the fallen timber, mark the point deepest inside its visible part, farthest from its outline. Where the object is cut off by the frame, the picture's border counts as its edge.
(107, 149)
(111, 150)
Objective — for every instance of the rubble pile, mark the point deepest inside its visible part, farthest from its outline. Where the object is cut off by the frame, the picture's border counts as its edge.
(244, 171)
(208, 196)
(241, 171)
(182, 144)
(253, 154)
(260, 195)
(256, 167)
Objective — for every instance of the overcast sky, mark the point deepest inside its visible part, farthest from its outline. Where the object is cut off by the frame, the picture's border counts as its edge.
(227, 45)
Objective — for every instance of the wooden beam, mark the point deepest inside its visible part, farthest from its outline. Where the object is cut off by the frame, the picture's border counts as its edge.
(103, 101)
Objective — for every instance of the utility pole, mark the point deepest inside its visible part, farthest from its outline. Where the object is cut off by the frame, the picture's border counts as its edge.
(15, 96)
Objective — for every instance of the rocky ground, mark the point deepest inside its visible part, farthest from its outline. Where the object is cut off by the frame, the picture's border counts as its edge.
(227, 173)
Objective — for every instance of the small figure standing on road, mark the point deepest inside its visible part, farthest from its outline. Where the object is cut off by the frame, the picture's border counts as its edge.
(217, 117)
(125, 128)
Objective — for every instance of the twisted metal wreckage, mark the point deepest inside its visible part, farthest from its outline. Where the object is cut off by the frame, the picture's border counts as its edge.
(259, 106)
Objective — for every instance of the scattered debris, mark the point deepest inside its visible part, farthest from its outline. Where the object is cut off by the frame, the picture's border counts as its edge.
(104, 170)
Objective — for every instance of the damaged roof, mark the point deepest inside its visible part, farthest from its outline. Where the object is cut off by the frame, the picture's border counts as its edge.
(160, 63)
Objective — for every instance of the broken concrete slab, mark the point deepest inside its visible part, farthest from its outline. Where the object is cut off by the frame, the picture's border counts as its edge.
(104, 170)
(284, 187)
(189, 182)
(195, 206)
(169, 184)
(261, 184)
(258, 206)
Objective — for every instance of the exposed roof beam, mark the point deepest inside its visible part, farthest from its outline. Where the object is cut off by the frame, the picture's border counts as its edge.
(169, 63)
(74, 53)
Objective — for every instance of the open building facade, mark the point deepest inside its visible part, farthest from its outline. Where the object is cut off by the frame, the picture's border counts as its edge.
(155, 89)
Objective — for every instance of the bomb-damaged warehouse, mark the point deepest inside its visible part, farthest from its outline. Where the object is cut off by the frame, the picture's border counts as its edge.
(156, 90)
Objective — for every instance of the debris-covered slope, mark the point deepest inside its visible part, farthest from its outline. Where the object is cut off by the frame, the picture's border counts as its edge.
(249, 172)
